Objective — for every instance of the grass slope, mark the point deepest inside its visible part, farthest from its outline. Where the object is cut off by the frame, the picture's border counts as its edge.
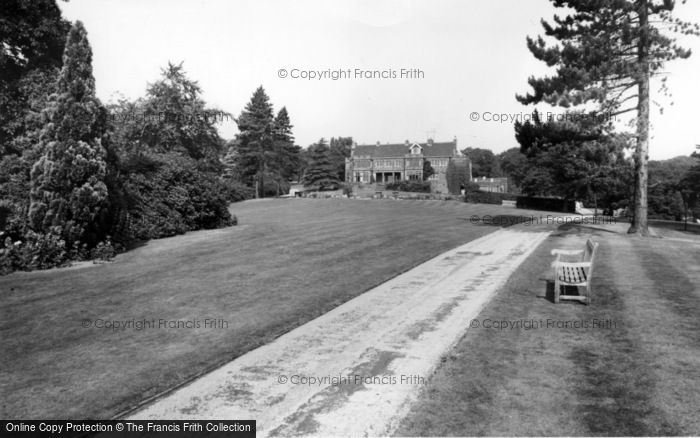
(288, 262)
(638, 375)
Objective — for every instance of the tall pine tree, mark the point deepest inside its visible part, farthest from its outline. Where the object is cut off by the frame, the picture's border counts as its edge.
(609, 50)
(256, 140)
(287, 159)
(67, 182)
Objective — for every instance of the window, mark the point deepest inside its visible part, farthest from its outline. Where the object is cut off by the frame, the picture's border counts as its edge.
(414, 163)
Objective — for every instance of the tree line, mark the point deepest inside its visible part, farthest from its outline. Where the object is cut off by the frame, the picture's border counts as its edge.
(79, 179)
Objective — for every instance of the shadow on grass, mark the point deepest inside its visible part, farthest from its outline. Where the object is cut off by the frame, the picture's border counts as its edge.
(565, 290)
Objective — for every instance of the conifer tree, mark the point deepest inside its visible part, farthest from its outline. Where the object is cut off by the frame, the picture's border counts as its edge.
(256, 145)
(341, 148)
(609, 50)
(67, 182)
(287, 153)
(321, 172)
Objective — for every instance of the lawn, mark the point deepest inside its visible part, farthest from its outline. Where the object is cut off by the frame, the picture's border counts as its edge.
(287, 262)
(634, 373)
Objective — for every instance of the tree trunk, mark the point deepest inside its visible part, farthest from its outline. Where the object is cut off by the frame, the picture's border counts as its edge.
(639, 221)
(262, 185)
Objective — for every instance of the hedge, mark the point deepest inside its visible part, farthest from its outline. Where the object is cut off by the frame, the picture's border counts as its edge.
(481, 197)
(547, 204)
(409, 186)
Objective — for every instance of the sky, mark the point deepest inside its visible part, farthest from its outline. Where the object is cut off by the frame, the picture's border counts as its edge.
(462, 62)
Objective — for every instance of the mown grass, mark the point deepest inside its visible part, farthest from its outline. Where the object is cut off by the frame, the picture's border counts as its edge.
(287, 262)
(638, 375)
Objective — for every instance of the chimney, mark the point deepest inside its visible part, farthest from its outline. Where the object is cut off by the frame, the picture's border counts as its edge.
(408, 143)
(379, 143)
(430, 142)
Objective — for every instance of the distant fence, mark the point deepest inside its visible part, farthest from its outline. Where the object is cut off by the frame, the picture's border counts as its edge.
(670, 225)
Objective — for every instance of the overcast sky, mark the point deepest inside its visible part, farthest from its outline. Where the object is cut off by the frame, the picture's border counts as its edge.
(471, 57)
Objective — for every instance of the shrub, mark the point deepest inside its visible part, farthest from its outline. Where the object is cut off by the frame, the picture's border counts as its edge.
(172, 196)
(36, 251)
(104, 251)
(237, 191)
(471, 187)
(480, 197)
(274, 188)
(410, 186)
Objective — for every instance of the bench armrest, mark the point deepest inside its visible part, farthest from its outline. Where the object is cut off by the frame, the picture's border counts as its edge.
(557, 264)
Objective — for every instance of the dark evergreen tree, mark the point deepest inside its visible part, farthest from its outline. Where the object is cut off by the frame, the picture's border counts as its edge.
(428, 170)
(578, 158)
(457, 176)
(340, 150)
(67, 183)
(32, 40)
(256, 140)
(321, 172)
(609, 49)
(286, 162)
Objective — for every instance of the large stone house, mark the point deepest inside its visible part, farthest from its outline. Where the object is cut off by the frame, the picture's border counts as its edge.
(385, 163)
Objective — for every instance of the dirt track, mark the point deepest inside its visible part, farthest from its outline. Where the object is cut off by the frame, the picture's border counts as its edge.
(356, 370)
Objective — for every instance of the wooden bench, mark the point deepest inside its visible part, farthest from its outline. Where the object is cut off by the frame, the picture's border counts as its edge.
(577, 273)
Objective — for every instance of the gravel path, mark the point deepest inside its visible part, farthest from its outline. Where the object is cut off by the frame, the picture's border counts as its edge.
(356, 369)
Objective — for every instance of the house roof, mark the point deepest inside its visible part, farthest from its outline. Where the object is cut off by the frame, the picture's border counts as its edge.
(399, 150)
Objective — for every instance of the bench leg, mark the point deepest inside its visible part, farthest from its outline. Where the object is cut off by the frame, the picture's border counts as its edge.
(588, 294)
